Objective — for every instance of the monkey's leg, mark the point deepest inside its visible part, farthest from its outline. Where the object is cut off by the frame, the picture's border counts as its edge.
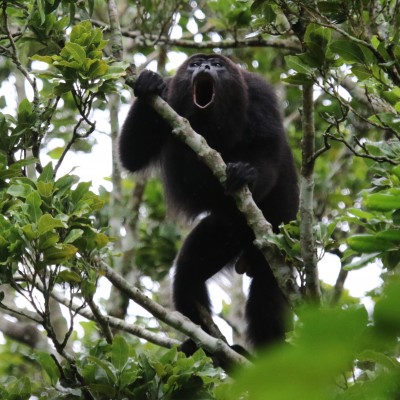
(212, 244)
(267, 310)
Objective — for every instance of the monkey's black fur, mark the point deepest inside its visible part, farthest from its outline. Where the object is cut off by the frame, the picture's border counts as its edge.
(237, 113)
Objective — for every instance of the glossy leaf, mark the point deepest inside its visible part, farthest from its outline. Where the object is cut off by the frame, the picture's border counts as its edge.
(382, 201)
(59, 253)
(369, 243)
(119, 352)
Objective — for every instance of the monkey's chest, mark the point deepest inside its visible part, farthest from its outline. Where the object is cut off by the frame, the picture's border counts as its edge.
(189, 184)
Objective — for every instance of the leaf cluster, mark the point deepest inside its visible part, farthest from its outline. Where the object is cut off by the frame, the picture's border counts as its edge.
(334, 354)
(47, 222)
(118, 371)
(81, 63)
(158, 238)
(378, 220)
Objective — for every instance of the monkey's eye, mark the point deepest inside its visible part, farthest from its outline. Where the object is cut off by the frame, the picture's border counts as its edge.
(218, 64)
(195, 64)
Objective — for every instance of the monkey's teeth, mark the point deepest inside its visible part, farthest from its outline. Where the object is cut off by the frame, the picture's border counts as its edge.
(203, 91)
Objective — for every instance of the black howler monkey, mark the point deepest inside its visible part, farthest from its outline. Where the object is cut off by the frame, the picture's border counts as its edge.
(237, 113)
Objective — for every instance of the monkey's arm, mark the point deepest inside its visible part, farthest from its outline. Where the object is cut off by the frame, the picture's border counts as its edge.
(144, 131)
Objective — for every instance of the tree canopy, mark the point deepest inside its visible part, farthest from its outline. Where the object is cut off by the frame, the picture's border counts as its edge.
(85, 267)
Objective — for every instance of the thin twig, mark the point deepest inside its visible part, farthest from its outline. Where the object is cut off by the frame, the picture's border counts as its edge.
(101, 319)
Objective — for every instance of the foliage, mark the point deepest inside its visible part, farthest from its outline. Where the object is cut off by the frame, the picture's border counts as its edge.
(57, 231)
(378, 219)
(325, 343)
(158, 239)
(117, 371)
(46, 222)
(80, 62)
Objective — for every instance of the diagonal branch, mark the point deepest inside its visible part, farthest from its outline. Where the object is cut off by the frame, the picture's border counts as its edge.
(174, 319)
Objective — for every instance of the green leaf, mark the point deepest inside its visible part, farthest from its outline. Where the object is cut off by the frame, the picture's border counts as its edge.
(47, 174)
(81, 189)
(361, 261)
(59, 253)
(360, 213)
(129, 375)
(65, 183)
(325, 344)
(48, 223)
(382, 201)
(56, 153)
(40, 5)
(294, 62)
(45, 189)
(102, 391)
(20, 389)
(29, 232)
(116, 71)
(318, 35)
(317, 40)
(104, 366)
(49, 365)
(119, 353)
(47, 240)
(69, 276)
(9, 173)
(298, 79)
(73, 235)
(379, 358)
(97, 69)
(334, 10)
(59, 90)
(75, 51)
(20, 190)
(91, 7)
(350, 52)
(386, 311)
(34, 201)
(95, 55)
(46, 59)
(80, 29)
(68, 64)
(369, 244)
(170, 356)
(25, 107)
(101, 240)
(392, 235)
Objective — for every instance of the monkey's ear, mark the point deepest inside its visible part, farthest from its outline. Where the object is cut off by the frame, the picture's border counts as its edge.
(149, 83)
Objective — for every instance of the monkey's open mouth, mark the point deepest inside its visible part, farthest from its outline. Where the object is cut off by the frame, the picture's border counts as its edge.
(203, 90)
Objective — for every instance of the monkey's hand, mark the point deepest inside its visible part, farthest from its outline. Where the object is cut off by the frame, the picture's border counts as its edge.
(239, 174)
(149, 83)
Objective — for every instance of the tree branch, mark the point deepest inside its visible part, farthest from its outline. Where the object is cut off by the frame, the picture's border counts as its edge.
(113, 322)
(174, 319)
(292, 44)
(24, 332)
(308, 249)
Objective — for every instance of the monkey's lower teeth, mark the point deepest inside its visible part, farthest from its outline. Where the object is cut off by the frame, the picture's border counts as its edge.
(203, 95)
(203, 104)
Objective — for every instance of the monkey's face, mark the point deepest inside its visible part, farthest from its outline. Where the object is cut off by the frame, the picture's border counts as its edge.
(208, 83)
(206, 79)
(205, 72)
